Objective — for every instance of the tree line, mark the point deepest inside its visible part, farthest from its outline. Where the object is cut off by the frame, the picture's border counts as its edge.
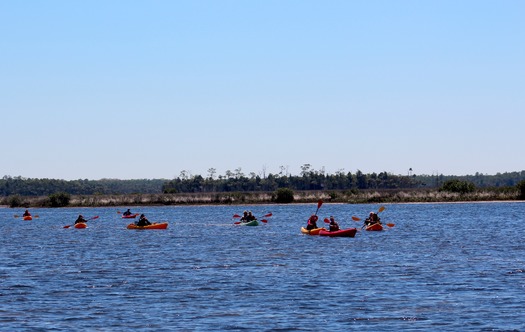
(237, 181)
(311, 179)
(42, 187)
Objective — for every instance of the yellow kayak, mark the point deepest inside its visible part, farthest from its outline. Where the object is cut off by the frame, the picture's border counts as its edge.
(314, 231)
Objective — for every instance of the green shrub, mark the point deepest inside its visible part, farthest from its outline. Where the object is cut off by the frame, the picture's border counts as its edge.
(458, 186)
(15, 201)
(284, 195)
(59, 199)
(521, 188)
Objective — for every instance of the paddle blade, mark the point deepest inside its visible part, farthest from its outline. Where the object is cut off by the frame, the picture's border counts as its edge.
(390, 225)
(237, 223)
(326, 220)
(381, 209)
(236, 216)
(37, 216)
(93, 218)
(118, 212)
(67, 226)
(319, 203)
(16, 216)
(268, 215)
(264, 221)
(355, 218)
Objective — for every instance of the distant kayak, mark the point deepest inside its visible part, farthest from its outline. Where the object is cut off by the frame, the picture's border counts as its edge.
(314, 231)
(28, 218)
(130, 216)
(349, 232)
(374, 227)
(249, 223)
(163, 225)
(81, 225)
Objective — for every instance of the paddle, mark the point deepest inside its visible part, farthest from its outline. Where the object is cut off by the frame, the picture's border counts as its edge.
(269, 214)
(35, 216)
(319, 203)
(92, 218)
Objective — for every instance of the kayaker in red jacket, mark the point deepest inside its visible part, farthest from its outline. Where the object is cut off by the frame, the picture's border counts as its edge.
(334, 226)
(312, 222)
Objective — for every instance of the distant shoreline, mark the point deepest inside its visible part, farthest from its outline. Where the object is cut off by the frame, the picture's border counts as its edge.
(409, 196)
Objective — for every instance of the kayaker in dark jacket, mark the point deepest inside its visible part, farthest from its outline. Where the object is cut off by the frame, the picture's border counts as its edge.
(127, 213)
(244, 217)
(373, 218)
(251, 217)
(143, 221)
(26, 214)
(334, 226)
(312, 222)
(80, 219)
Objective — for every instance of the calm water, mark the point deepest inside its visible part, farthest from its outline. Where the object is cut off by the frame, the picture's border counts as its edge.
(445, 267)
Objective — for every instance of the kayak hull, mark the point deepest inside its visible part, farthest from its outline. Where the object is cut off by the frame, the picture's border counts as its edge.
(250, 223)
(163, 225)
(374, 227)
(28, 218)
(314, 231)
(349, 232)
(131, 216)
(81, 225)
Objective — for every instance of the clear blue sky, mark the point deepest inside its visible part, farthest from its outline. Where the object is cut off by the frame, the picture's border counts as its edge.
(147, 89)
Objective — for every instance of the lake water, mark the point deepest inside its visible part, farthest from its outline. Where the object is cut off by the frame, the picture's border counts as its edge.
(446, 267)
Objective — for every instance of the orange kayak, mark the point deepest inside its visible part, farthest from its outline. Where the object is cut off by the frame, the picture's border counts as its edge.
(163, 225)
(81, 225)
(28, 218)
(374, 227)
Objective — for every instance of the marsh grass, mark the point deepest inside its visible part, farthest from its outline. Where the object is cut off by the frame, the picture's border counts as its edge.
(235, 198)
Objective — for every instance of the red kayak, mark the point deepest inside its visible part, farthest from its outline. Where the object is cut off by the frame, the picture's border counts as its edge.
(374, 227)
(81, 225)
(349, 232)
(129, 216)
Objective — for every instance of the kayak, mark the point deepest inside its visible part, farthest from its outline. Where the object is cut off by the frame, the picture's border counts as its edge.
(250, 223)
(155, 225)
(130, 216)
(349, 232)
(28, 218)
(314, 231)
(81, 225)
(374, 227)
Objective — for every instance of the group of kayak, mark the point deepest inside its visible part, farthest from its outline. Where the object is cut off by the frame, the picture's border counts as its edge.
(81, 222)
(372, 223)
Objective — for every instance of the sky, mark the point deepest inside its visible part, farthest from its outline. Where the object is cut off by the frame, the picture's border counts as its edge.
(129, 89)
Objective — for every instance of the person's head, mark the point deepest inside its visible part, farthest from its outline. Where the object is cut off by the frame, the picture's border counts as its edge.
(314, 217)
(80, 216)
(332, 219)
(142, 215)
(250, 213)
(245, 212)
